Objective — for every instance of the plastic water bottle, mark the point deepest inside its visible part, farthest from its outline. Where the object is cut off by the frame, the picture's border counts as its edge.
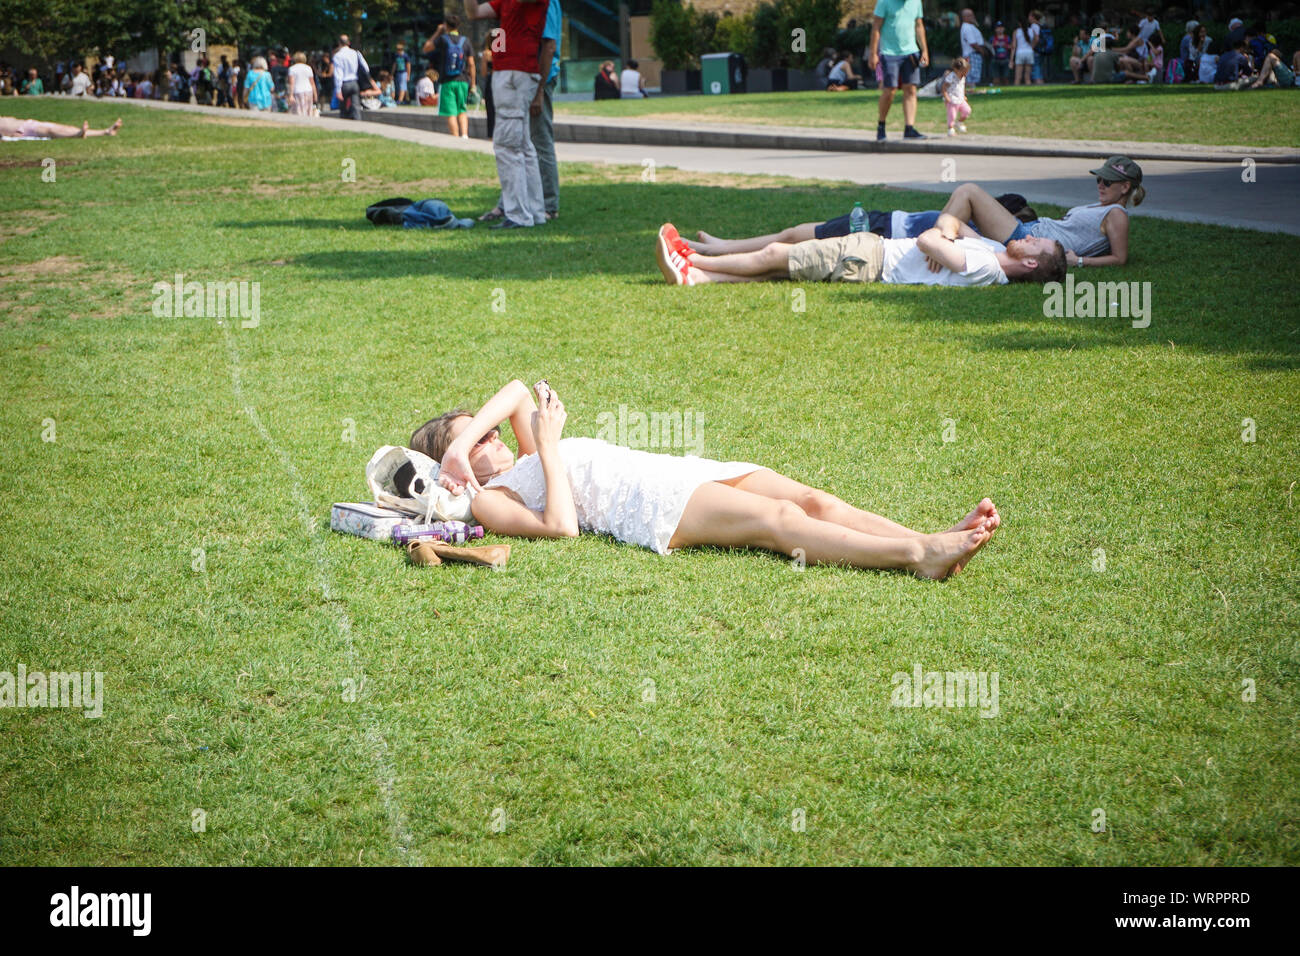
(858, 219)
(455, 532)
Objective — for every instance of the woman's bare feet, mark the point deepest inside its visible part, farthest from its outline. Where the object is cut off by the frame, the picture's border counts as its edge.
(945, 554)
(111, 131)
(705, 243)
(977, 516)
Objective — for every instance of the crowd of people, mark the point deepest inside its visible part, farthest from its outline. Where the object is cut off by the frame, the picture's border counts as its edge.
(1106, 48)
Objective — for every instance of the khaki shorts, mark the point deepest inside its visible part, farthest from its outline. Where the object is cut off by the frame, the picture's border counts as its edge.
(857, 257)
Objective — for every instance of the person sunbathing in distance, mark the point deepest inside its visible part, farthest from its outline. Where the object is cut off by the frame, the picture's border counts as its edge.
(11, 127)
(561, 487)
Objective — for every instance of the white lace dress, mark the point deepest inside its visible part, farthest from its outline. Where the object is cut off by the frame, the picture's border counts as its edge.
(636, 496)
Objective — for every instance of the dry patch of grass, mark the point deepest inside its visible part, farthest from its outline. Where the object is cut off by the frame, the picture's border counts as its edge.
(26, 288)
(24, 222)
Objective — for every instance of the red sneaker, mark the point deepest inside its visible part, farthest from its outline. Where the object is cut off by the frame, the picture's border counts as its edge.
(668, 232)
(675, 266)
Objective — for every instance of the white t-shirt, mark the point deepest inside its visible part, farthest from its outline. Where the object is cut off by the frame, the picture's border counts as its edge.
(905, 264)
(423, 88)
(80, 84)
(970, 38)
(629, 83)
(1145, 29)
(954, 87)
(300, 77)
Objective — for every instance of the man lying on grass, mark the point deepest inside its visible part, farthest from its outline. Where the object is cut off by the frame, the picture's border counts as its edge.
(561, 487)
(951, 253)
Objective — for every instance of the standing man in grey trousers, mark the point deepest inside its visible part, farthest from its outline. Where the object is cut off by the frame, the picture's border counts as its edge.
(518, 67)
(541, 120)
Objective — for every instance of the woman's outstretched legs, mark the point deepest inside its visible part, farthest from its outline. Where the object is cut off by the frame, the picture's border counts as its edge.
(824, 506)
(713, 246)
(722, 515)
(969, 202)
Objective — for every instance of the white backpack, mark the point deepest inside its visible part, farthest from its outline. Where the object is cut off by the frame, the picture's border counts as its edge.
(427, 498)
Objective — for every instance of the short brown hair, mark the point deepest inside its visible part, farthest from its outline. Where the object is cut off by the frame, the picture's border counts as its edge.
(433, 437)
(1050, 268)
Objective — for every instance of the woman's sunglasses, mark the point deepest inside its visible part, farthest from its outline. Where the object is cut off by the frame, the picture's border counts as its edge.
(494, 433)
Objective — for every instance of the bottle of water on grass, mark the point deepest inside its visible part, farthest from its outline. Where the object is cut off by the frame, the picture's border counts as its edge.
(857, 218)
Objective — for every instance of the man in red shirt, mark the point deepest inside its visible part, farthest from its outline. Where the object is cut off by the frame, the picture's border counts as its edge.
(517, 71)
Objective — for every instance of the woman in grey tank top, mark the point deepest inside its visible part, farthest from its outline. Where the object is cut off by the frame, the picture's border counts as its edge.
(1093, 235)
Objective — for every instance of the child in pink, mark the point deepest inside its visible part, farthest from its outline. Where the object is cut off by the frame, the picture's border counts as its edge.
(954, 95)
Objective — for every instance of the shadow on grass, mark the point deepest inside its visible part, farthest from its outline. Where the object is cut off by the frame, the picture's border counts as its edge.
(1012, 319)
(1210, 289)
(360, 224)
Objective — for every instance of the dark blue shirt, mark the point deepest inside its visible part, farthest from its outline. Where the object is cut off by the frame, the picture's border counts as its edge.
(1231, 65)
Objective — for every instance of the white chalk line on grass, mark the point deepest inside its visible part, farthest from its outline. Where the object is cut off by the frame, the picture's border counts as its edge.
(386, 775)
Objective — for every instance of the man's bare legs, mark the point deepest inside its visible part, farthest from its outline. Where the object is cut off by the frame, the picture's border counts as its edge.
(969, 203)
(909, 104)
(886, 99)
(722, 515)
(713, 246)
(767, 264)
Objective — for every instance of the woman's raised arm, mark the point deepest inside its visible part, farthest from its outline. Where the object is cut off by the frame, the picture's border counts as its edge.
(512, 401)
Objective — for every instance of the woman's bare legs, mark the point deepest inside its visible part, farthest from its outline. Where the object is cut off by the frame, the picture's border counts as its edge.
(969, 202)
(12, 126)
(824, 506)
(60, 131)
(721, 515)
(713, 246)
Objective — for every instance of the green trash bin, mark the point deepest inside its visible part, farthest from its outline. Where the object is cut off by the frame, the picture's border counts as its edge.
(722, 73)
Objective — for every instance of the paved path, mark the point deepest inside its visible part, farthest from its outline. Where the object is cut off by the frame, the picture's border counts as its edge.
(1186, 190)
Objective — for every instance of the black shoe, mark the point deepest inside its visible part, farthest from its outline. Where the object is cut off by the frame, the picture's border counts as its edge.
(880, 132)
(508, 224)
(911, 133)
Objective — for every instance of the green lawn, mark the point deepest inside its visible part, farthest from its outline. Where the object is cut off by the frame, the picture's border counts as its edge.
(1120, 689)
(1193, 114)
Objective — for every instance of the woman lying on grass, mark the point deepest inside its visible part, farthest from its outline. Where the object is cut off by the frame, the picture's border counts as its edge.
(560, 487)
